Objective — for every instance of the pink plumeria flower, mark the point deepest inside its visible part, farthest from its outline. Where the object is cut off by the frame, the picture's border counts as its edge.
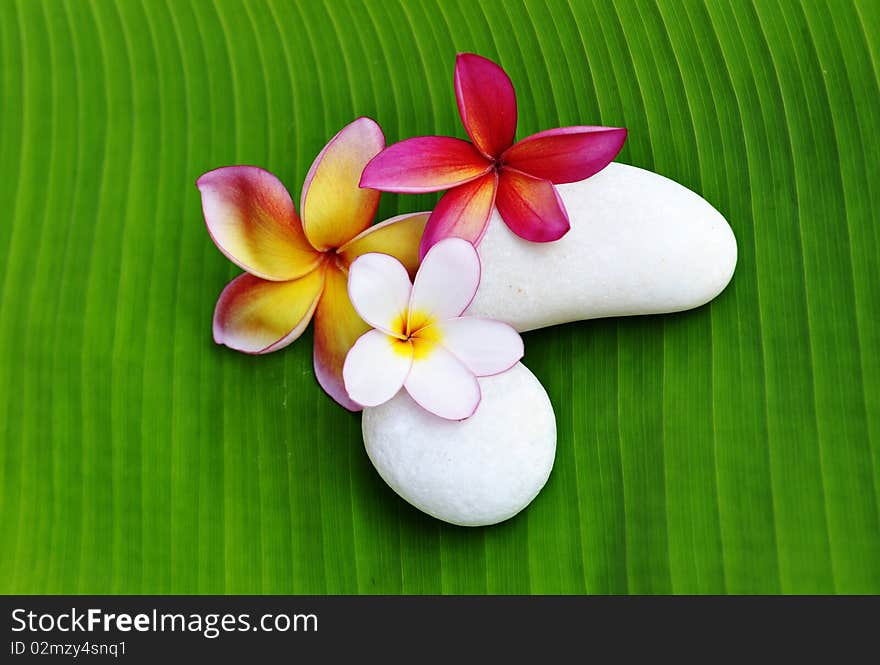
(516, 178)
(296, 269)
(421, 341)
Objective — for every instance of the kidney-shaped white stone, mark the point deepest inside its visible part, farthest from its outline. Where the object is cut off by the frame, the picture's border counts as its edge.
(639, 244)
(475, 472)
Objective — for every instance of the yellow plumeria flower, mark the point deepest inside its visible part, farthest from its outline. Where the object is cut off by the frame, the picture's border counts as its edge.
(297, 269)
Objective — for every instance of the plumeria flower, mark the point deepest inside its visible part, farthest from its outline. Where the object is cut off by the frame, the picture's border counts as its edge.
(421, 341)
(516, 178)
(297, 269)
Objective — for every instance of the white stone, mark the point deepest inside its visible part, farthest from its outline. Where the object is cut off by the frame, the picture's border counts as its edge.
(475, 472)
(639, 244)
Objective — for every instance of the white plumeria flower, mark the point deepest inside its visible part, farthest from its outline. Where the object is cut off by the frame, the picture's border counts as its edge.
(420, 340)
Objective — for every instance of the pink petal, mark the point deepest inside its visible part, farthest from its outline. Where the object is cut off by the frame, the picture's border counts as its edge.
(486, 103)
(485, 346)
(530, 207)
(376, 368)
(446, 282)
(379, 289)
(462, 212)
(334, 208)
(424, 164)
(440, 383)
(567, 154)
(254, 315)
(251, 219)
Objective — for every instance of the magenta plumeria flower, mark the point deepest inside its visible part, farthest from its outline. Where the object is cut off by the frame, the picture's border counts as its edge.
(517, 178)
(421, 341)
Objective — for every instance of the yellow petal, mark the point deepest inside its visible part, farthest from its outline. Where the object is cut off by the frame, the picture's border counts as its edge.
(252, 220)
(254, 315)
(334, 207)
(337, 328)
(399, 236)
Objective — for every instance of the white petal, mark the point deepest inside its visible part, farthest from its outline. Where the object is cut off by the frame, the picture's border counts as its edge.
(376, 367)
(441, 383)
(446, 281)
(379, 288)
(485, 346)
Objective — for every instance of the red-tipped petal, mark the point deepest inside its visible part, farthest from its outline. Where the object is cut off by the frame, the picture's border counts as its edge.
(531, 207)
(486, 103)
(462, 212)
(424, 164)
(337, 327)
(254, 315)
(567, 154)
(334, 208)
(252, 220)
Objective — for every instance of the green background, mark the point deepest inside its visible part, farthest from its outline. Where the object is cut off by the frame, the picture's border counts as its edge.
(734, 448)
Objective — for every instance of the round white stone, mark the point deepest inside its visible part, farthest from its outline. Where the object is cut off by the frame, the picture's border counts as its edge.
(639, 244)
(475, 472)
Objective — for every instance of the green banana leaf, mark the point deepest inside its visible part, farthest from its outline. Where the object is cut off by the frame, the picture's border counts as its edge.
(734, 448)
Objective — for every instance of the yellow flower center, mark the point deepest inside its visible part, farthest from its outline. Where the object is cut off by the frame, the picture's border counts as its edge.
(415, 333)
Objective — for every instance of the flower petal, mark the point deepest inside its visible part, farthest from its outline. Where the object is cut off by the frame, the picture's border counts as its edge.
(337, 328)
(251, 219)
(254, 315)
(424, 164)
(398, 237)
(334, 208)
(531, 207)
(567, 154)
(379, 289)
(486, 103)
(446, 282)
(376, 368)
(440, 383)
(485, 346)
(462, 212)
